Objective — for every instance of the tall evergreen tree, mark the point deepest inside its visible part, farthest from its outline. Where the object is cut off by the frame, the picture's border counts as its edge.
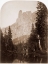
(10, 43)
(2, 47)
(41, 24)
(2, 43)
(8, 46)
(33, 41)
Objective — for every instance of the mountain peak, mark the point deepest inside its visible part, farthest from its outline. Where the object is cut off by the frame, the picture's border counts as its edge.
(23, 24)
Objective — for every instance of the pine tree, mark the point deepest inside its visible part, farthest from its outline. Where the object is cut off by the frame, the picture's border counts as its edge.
(2, 47)
(8, 46)
(41, 24)
(33, 41)
(10, 43)
(2, 43)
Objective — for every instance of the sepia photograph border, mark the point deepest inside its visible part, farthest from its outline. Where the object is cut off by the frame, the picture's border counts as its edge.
(43, 1)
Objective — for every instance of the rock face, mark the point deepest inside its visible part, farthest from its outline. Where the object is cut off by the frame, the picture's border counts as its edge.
(23, 24)
(21, 39)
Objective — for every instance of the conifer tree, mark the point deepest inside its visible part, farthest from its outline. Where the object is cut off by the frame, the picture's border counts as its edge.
(33, 41)
(41, 24)
(2, 47)
(10, 43)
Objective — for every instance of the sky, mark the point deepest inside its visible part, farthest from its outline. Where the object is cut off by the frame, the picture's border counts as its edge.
(9, 10)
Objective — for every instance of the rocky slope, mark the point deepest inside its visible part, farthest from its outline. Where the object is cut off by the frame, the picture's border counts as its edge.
(23, 24)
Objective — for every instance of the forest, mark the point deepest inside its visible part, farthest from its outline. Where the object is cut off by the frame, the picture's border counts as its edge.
(36, 46)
